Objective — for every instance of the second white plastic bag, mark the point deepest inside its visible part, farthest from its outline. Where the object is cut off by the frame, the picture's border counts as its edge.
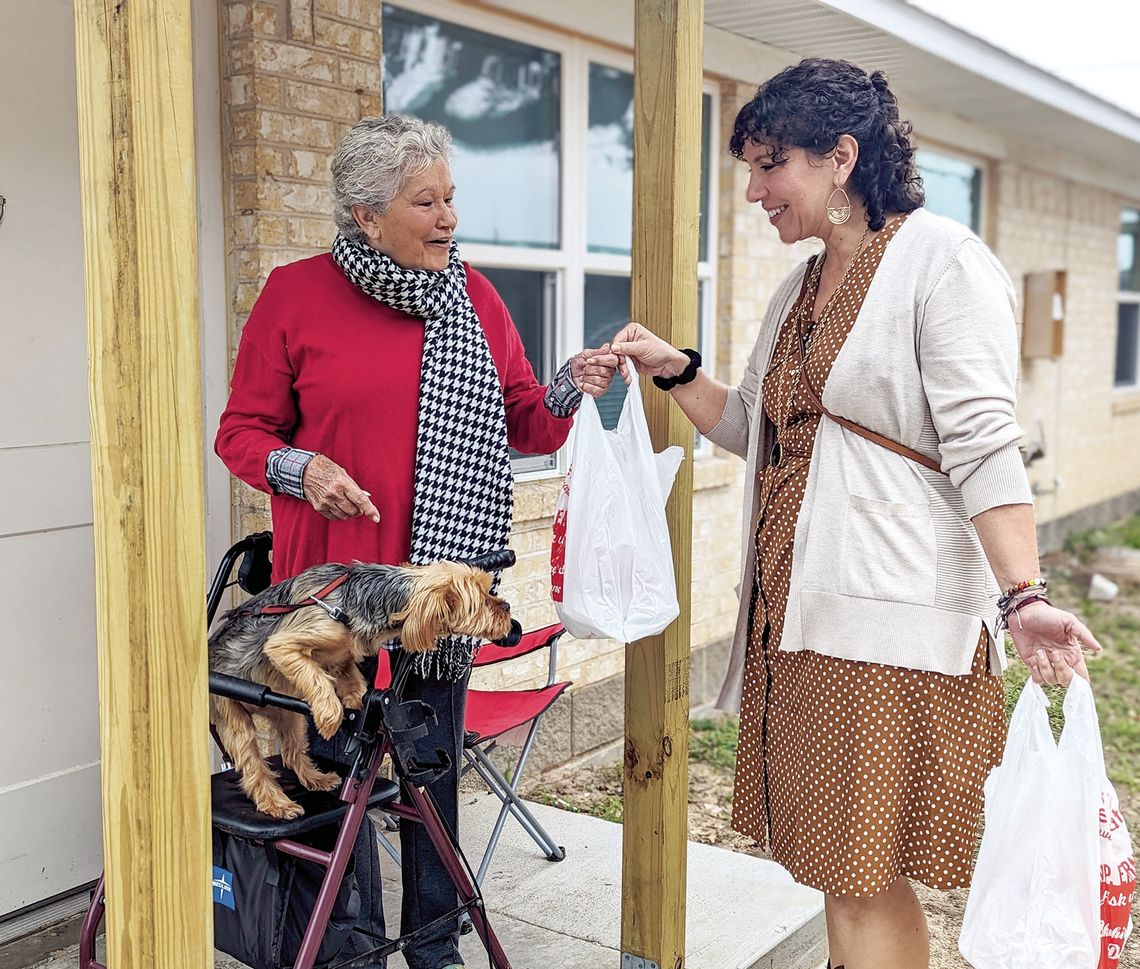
(612, 562)
(1054, 848)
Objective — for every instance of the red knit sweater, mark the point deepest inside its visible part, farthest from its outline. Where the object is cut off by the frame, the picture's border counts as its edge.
(324, 367)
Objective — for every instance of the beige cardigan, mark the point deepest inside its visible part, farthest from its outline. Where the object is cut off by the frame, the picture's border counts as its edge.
(886, 566)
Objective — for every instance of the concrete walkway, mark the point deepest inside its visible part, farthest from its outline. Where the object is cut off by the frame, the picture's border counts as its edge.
(743, 913)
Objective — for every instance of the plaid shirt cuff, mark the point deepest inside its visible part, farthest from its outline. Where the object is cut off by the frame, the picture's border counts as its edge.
(284, 469)
(563, 398)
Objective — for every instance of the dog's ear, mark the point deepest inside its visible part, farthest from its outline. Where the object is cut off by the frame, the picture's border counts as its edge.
(427, 617)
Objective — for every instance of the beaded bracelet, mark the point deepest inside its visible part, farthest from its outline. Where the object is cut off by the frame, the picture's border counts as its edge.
(1038, 585)
(1027, 584)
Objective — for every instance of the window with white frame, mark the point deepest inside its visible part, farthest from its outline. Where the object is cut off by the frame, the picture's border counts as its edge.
(542, 126)
(953, 187)
(1127, 373)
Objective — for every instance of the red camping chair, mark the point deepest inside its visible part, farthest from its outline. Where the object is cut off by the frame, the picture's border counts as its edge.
(493, 713)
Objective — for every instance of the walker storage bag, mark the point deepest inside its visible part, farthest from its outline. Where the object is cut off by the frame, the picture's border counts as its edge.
(611, 564)
(263, 899)
(1055, 875)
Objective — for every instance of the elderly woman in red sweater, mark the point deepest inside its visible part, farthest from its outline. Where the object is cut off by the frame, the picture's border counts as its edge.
(375, 394)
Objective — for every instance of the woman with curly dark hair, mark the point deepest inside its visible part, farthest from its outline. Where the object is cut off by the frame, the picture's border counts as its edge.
(887, 510)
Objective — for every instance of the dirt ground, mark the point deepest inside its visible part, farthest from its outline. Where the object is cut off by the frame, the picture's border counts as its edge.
(597, 790)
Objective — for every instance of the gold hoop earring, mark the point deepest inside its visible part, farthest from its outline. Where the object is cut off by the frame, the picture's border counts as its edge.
(838, 214)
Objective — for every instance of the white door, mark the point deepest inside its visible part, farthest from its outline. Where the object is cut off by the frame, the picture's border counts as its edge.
(50, 820)
(50, 825)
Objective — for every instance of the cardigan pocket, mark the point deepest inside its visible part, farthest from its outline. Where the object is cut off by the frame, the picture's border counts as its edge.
(889, 551)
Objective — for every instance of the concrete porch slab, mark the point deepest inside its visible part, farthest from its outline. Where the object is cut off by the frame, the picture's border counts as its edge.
(743, 912)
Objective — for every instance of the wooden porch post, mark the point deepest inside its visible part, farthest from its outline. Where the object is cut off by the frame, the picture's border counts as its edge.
(667, 111)
(136, 139)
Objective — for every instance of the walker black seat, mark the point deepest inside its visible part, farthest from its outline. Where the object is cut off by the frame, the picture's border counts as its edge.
(234, 813)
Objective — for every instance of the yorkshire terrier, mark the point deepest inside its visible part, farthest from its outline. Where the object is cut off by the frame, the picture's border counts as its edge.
(305, 637)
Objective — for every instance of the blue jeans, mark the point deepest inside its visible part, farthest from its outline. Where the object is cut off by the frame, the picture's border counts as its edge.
(428, 892)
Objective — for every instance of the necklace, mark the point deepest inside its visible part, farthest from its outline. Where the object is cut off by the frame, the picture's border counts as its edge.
(803, 341)
(832, 300)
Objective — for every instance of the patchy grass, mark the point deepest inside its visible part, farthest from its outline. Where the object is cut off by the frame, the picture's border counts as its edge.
(1085, 544)
(1115, 672)
(713, 742)
(596, 791)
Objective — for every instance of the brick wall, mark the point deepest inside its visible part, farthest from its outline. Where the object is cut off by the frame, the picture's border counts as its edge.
(1042, 222)
(297, 75)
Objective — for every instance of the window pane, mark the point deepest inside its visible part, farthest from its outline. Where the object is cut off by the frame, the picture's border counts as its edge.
(529, 296)
(1127, 344)
(609, 165)
(500, 100)
(953, 187)
(1128, 250)
(607, 311)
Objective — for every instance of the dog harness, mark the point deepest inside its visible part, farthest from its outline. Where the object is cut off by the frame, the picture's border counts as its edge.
(316, 599)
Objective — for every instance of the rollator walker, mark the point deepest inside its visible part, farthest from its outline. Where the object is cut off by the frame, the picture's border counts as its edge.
(323, 837)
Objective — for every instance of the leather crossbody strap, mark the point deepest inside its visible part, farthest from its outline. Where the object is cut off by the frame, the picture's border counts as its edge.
(873, 436)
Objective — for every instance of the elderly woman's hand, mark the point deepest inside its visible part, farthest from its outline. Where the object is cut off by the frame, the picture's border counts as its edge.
(334, 494)
(1050, 641)
(650, 354)
(593, 370)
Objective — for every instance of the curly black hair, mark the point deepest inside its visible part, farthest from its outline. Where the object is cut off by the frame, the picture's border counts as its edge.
(812, 103)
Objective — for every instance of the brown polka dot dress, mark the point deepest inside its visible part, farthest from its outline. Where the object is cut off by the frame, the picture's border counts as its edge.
(853, 774)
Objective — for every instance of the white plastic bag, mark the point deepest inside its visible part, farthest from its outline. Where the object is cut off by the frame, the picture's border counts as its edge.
(611, 564)
(1035, 902)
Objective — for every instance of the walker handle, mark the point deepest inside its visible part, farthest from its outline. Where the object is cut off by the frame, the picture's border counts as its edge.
(503, 558)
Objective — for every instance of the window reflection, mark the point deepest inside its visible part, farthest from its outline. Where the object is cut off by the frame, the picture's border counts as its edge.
(953, 187)
(609, 165)
(1128, 251)
(529, 295)
(1127, 344)
(609, 173)
(500, 100)
(607, 311)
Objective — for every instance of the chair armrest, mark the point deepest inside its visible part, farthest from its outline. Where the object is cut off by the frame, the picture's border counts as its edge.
(532, 641)
(553, 670)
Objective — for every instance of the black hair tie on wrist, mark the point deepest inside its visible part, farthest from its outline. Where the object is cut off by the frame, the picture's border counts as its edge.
(686, 376)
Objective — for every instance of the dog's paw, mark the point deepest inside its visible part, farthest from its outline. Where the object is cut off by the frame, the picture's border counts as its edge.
(355, 699)
(320, 781)
(328, 716)
(281, 808)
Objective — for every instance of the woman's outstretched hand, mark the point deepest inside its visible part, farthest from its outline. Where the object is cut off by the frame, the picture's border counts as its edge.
(650, 354)
(334, 494)
(1050, 642)
(593, 370)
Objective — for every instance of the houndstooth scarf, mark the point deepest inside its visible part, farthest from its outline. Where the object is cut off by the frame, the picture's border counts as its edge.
(462, 493)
